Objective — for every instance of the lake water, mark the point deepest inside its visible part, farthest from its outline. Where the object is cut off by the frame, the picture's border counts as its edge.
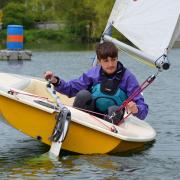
(21, 156)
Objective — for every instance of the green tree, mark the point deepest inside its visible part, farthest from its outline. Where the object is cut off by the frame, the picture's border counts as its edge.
(15, 13)
(3, 3)
(103, 9)
(79, 17)
(41, 11)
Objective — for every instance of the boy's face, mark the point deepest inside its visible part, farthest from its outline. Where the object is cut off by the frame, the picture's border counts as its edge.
(109, 65)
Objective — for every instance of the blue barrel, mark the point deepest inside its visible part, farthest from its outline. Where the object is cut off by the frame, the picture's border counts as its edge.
(14, 37)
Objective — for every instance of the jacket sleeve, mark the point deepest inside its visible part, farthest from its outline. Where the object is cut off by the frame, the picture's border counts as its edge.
(132, 85)
(72, 87)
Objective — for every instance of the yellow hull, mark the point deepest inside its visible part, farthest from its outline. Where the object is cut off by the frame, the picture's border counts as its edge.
(40, 124)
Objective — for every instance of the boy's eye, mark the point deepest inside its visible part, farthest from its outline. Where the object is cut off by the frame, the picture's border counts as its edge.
(113, 59)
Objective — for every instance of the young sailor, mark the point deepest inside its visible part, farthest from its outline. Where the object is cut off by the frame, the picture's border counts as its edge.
(104, 87)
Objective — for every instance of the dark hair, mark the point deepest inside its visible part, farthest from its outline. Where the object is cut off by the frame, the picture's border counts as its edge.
(105, 50)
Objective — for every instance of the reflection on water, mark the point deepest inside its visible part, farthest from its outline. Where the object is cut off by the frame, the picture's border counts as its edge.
(35, 167)
(72, 166)
(15, 62)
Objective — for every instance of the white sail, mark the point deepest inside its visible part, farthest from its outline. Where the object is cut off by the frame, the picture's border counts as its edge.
(151, 25)
(176, 39)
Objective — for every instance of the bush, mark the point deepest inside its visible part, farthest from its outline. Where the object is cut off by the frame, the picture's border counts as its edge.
(3, 35)
(38, 35)
(15, 13)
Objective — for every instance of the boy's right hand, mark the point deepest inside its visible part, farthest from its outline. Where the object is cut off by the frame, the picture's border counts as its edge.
(49, 76)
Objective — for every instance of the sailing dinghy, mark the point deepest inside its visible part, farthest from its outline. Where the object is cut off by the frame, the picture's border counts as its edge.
(27, 104)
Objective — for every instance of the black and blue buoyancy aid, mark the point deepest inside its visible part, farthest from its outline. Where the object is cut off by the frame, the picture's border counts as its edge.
(107, 93)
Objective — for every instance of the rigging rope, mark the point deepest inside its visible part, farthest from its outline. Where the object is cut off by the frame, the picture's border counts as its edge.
(144, 85)
(15, 92)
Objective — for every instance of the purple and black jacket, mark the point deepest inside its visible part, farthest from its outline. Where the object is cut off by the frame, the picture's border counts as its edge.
(92, 77)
